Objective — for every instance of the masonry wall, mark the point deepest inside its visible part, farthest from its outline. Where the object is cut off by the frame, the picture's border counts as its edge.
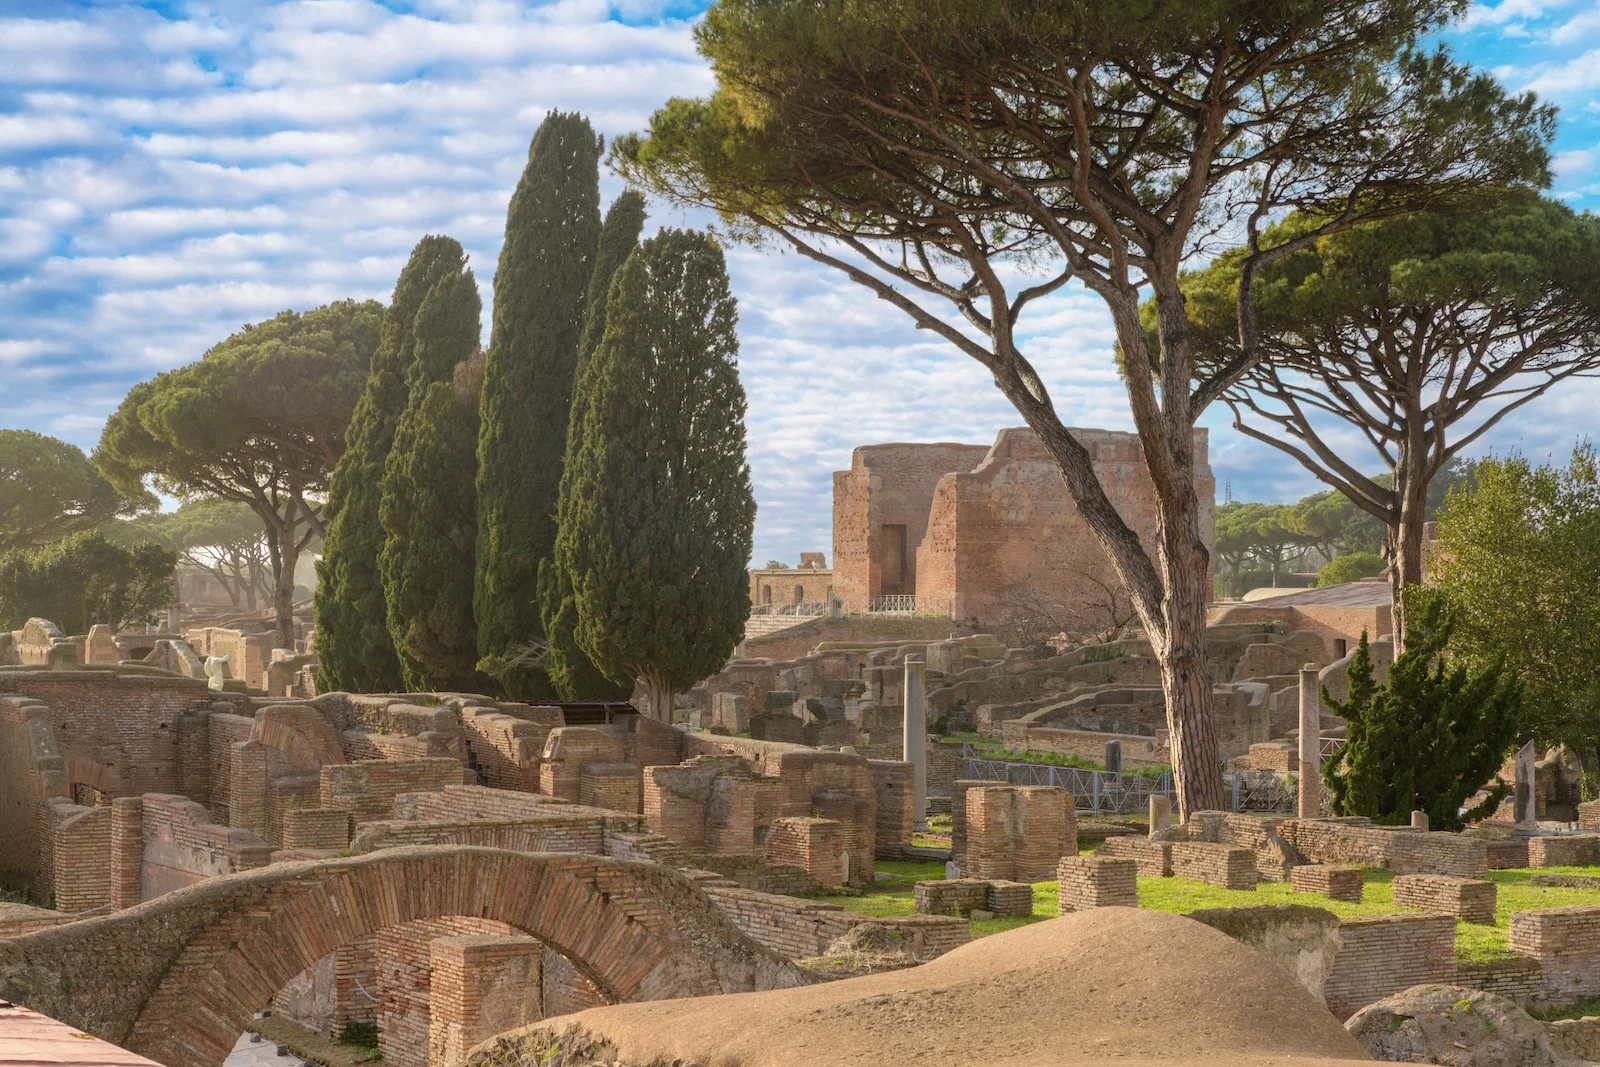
(79, 842)
(798, 929)
(1384, 954)
(1403, 851)
(403, 974)
(547, 833)
(480, 987)
(505, 749)
(367, 789)
(1005, 533)
(1566, 942)
(31, 772)
(182, 846)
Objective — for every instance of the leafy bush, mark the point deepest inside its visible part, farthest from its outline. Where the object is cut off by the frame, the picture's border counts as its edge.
(84, 580)
(1350, 568)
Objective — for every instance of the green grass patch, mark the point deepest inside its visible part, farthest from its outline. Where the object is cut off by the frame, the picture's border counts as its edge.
(1580, 1010)
(14, 896)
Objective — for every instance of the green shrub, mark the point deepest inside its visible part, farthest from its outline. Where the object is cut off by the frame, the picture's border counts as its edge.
(1351, 568)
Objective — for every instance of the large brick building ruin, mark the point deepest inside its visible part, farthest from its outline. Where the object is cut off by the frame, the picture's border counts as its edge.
(977, 532)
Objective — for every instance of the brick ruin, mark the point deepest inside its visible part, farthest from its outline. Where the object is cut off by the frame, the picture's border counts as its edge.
(983, 532)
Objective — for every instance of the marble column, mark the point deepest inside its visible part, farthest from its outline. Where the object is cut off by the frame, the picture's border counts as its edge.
(1310, 792)
(916, 738)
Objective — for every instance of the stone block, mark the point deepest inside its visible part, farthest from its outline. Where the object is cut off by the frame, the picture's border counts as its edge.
(951, 897)
(1562, 850)
(1153, 857)
(1085, 882)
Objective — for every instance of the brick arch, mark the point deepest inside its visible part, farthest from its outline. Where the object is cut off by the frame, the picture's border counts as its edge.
(177, 978)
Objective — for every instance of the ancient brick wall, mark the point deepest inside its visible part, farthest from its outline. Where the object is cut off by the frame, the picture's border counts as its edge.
(1402, 850)
(403, 982)
(1017, 833)
(1566, 942)
(798, 929)
(1154, 858)
(887, 486)
(1085, 882)
(1466, 898)
(223, 731)
(367, 789)
(316, 828)
(31, 772)
(479, 987)
(816, 845)
(952, 896)
(1216, 864)
(1005, 532)
(564, 990)
(892, 780)
(1336, 883)
(566, 749)
(79, 842)
(1520, 978)
(790, 585)
(1566, 850)
(547, 833)
(182, 846)
(1384, 954)
(610, 785)
(505, 749)
(248, 654)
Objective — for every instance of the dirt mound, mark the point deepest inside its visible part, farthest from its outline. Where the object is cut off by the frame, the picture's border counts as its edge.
(1108, 986)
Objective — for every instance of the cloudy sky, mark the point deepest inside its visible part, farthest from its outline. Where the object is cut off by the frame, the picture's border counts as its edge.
(170, 171)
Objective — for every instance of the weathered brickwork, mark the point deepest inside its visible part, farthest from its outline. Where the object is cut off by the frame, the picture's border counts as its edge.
(1589, 815)
(1384, 954)
(1220, 865)
(610, 785)
(1566, 942)
(814, 845)
(892, 780)
(1563, 850)
(223, 731)
(505, 749)
(1153, 857)
(1402, 850)
(957, 896)
(546, 833)
(79, 842)
(316, 828)
(367, 789)
(1519, 978)
(403, 971)
(1335, 883)
(567, 749)
(1506, 854)
(182, 846)
(1466, 898)
(797, 929)
(715, 804)
(479, 987)
(1094, 882)
(1017, 833)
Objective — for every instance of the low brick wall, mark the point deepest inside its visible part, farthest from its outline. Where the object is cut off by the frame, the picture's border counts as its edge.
(1153, 857)
(479, 987)
(1085, 882)
(552, 833)
(1589, 815)
(1401, 849)
(1010, 898)
(1508, 854)
(1335, 883)
(1465, 898)
(954, 896)
(1220, 865)
(1566, 942)
(798, 929)
(367, 789)
(815, 845)
(1564, 850)
(1520, 978)
(1384, 954)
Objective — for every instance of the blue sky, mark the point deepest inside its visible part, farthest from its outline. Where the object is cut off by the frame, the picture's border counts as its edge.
(170, 171)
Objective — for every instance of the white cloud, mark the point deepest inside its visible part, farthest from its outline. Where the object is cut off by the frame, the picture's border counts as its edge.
(166, 178)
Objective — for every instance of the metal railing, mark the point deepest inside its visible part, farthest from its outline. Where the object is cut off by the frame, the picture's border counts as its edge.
(806, 608)
(898, 604)
(1330, 746)
(1107, 793)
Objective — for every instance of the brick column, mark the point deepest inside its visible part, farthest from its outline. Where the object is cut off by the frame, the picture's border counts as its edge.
(1310, 798)
(479, 987)
(127, 851)
(915, 747)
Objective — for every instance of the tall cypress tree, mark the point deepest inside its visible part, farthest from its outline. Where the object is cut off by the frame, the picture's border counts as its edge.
(354, 651)
(570, 670)
(660, 520)
(429, 499)
(552, 235)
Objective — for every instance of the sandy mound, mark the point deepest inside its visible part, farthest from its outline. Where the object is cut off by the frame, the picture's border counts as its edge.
(1113, 985)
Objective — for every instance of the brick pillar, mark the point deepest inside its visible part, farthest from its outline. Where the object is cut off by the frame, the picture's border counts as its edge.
(915, 746)
(479, 987)
(127, 851)
(1310, 798)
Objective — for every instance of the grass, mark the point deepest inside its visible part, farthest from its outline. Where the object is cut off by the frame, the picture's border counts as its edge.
(1579, 1010)
(1474, 943)
(988, 749)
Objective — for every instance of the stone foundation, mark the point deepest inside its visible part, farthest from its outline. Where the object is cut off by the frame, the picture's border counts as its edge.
(1384, 954)
(1566, 942)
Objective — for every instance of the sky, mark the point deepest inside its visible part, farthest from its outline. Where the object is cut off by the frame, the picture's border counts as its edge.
(171, 171)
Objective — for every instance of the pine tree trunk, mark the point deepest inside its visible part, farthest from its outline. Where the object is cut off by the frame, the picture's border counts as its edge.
(1405, 536)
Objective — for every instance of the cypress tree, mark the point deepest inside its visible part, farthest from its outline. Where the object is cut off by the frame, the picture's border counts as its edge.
(1429, 738)
(570, 670)
(354, 651)
(429, 497)
(552, 234)
(659, 526)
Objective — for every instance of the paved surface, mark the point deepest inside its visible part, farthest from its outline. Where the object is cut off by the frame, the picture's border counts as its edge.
(258, 1053)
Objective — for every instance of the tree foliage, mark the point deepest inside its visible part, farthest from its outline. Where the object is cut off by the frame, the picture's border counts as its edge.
(977, 155)
(546, 263)
(429, 499)
(1428, 739)
(660, 516)
(1519, 561)
(83, 580)
(1416, 334)
(224, 538)
(354, 649)
(1350, 568)
(570, 669)
(50, 490)
(259, 419)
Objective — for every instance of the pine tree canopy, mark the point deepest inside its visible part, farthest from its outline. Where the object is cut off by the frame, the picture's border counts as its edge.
(659, 526)
(547, 260)
(1429, 738)
(570, 670)
(354, 650)
(428, 500)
